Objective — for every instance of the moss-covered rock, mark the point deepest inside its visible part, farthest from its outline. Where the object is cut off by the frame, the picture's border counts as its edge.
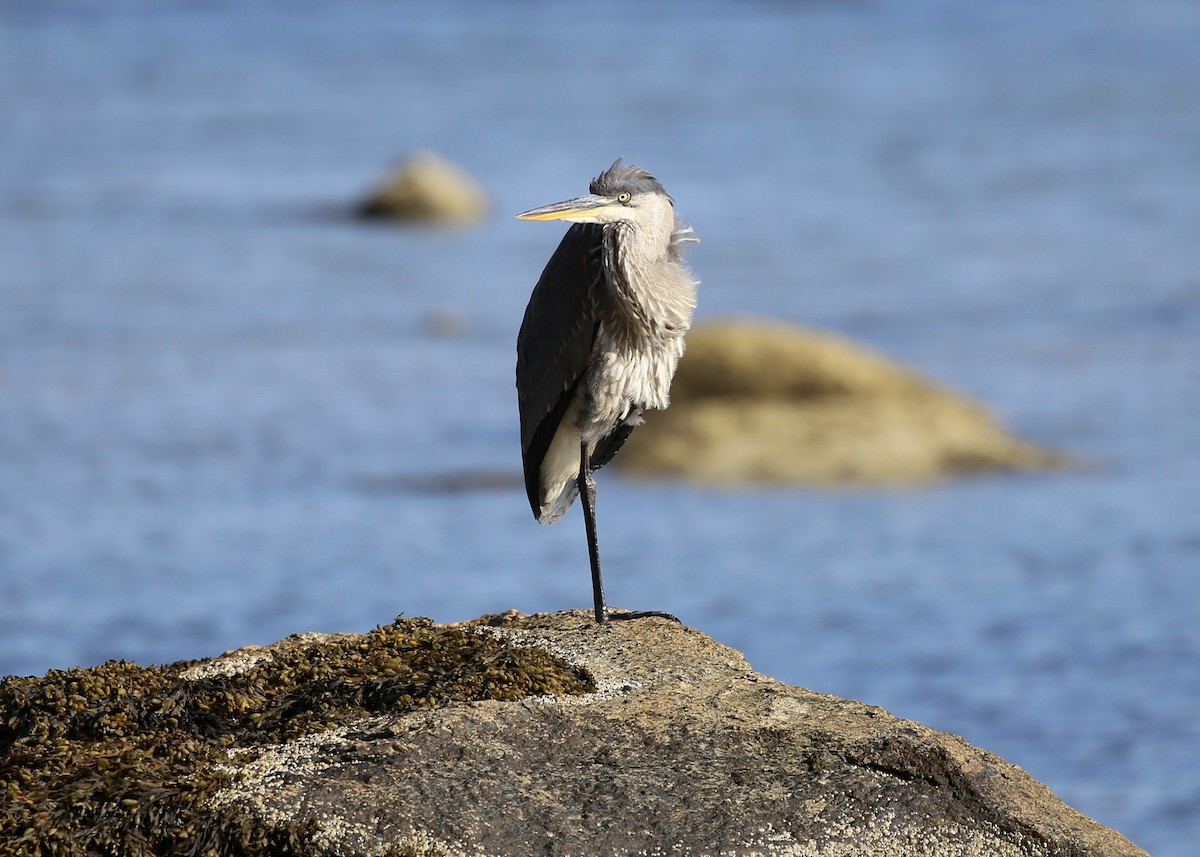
(639, 737)
(681, 748)
(123, 759)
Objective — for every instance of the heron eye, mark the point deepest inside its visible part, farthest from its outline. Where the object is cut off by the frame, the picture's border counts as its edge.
(623, 196)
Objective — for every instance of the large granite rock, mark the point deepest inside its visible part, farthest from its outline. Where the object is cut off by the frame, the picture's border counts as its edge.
(680, 749)
(762, 402)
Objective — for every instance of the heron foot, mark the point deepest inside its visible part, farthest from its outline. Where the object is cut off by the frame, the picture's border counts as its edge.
(643, 614)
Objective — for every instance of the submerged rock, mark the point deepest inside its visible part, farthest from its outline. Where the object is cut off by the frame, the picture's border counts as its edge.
(428, 188)
(759, 402)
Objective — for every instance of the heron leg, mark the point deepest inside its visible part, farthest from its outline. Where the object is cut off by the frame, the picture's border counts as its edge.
(587, 494)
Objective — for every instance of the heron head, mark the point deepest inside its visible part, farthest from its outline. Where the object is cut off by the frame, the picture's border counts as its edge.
(620, 193)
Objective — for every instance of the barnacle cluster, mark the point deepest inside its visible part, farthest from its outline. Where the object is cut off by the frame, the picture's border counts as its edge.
(120, 758)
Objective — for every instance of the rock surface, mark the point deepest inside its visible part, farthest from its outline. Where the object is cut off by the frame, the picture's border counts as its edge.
(761, 402)
(427, 188)
(682, 749)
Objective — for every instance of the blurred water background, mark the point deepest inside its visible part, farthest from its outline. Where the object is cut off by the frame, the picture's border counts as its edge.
(229, 413)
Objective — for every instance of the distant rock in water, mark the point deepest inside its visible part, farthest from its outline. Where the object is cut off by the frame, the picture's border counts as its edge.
(760, 402)
(427, 188)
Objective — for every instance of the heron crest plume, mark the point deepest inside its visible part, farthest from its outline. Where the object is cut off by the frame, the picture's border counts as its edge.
(631, 179)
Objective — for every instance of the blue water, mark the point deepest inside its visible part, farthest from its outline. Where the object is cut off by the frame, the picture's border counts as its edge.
(227, 412)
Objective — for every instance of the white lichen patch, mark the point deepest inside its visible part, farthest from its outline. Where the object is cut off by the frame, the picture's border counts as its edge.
(609, 676)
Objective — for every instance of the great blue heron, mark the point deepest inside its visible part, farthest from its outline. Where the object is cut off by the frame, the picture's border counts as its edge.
(600, 340)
